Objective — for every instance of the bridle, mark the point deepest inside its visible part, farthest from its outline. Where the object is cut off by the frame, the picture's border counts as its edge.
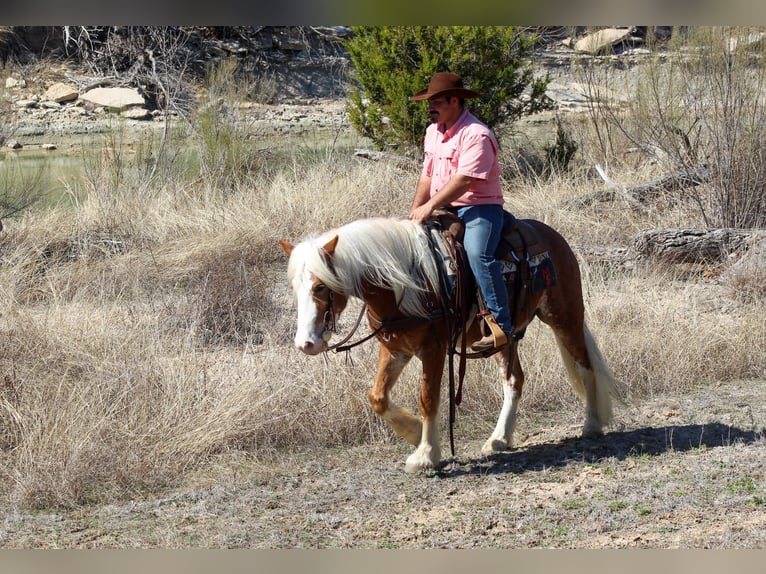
(390, 324)
(330, 320)
(331, 327)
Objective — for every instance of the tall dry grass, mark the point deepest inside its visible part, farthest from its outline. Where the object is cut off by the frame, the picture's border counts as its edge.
(139, 340)
(145, 330)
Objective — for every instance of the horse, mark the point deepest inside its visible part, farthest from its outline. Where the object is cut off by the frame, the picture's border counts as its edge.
(389, 264)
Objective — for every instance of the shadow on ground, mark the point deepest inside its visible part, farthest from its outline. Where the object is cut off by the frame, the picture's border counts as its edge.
(612, 446)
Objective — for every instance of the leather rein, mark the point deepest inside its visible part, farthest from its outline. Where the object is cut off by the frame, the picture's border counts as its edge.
(385, 325)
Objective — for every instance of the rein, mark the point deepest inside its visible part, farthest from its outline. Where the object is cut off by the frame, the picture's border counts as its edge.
(385, 325)
(457, 320)
(337, 347)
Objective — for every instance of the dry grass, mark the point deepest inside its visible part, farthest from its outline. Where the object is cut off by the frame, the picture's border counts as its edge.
(140, 333)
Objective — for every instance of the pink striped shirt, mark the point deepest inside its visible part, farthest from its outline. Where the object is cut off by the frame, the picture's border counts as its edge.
(468, 148)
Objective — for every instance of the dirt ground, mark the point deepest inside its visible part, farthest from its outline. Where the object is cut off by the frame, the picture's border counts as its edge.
(675, 472)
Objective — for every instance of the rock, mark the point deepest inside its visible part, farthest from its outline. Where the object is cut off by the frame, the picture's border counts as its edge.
(116, 99)
(13, 144)
(61, 92)
(26, 104)
(751, 42)
(602, 40)
(15, 83)
(751, 264)
(137, 114)
(48, 146)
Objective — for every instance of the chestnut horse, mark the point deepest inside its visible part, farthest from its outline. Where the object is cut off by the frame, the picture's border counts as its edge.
(389, 264)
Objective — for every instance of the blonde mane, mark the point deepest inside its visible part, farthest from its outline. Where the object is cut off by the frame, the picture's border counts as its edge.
(389, 253)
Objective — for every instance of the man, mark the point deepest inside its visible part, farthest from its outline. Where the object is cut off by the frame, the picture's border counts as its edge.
(461, 173)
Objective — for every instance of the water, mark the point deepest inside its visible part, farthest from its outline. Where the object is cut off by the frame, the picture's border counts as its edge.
(58, 175)
(46, 173)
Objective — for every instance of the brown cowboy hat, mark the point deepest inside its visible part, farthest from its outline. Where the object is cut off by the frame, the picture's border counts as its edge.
(446, 84)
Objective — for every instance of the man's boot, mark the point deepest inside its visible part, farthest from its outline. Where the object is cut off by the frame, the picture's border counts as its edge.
(496, 339)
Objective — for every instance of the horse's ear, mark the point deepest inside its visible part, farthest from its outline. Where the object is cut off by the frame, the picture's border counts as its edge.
(288, 247)
(329, 247)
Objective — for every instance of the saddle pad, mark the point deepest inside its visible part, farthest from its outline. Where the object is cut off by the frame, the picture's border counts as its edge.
(542, 273)
(445, 260)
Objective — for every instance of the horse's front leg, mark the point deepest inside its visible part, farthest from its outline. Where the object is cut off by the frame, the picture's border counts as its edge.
(405, 423)
(512, 377)
(428, 453)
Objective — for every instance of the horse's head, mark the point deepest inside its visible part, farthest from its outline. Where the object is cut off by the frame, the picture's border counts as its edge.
(318, 306)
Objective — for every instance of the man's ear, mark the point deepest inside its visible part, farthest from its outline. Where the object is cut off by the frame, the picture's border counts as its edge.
(288, 247)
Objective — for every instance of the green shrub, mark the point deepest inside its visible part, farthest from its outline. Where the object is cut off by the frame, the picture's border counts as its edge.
(560, 153)
(391, 63)
(223, 135)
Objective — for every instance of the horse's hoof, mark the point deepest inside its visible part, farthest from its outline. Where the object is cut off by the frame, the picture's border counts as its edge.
(592, 430)
(418, 462)
(411, 468)
(494, 445)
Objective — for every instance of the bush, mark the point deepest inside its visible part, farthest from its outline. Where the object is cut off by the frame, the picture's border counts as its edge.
(391, 63)
(701, 104)
(560, 153)
(223, 135)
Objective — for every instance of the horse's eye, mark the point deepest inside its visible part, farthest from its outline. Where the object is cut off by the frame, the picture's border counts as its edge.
(320, 288)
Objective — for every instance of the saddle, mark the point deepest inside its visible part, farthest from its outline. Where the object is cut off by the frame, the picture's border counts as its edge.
(522, 252)
(518, 235)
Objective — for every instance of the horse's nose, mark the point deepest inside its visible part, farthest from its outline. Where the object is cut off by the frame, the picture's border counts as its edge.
(309, 347)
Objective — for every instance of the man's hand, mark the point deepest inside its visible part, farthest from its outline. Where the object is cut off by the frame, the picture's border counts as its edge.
(454, 188)
(421, 213)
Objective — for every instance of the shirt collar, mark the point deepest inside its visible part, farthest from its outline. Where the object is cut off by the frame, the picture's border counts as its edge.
(447, 134)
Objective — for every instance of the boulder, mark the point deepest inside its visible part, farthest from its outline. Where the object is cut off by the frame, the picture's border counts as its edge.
(751, 264)
(15, 83)
(116, 99)
(602, 40)
(137, 114)
(61, 92)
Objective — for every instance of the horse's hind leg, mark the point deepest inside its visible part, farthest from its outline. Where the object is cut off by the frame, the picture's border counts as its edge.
(513, 381)
(590, 377)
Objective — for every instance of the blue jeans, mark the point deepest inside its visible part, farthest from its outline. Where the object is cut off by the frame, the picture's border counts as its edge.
(483, 228)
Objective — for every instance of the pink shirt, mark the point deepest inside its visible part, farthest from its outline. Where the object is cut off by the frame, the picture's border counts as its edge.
(468, 148)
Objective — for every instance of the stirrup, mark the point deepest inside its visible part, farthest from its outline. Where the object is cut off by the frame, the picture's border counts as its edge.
(496, 339)
(490, 341)
(499, 336)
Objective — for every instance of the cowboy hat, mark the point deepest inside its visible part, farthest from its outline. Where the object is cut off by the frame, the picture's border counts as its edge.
(447, 84)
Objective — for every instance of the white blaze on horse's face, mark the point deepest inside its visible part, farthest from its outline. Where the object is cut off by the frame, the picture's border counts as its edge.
(318, 306)
(312, 298)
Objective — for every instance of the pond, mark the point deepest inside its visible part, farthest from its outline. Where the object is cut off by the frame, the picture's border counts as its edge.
(48, 172)
(56, 175)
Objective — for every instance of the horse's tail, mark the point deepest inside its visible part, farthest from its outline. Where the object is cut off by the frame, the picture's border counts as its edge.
(607, 386)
